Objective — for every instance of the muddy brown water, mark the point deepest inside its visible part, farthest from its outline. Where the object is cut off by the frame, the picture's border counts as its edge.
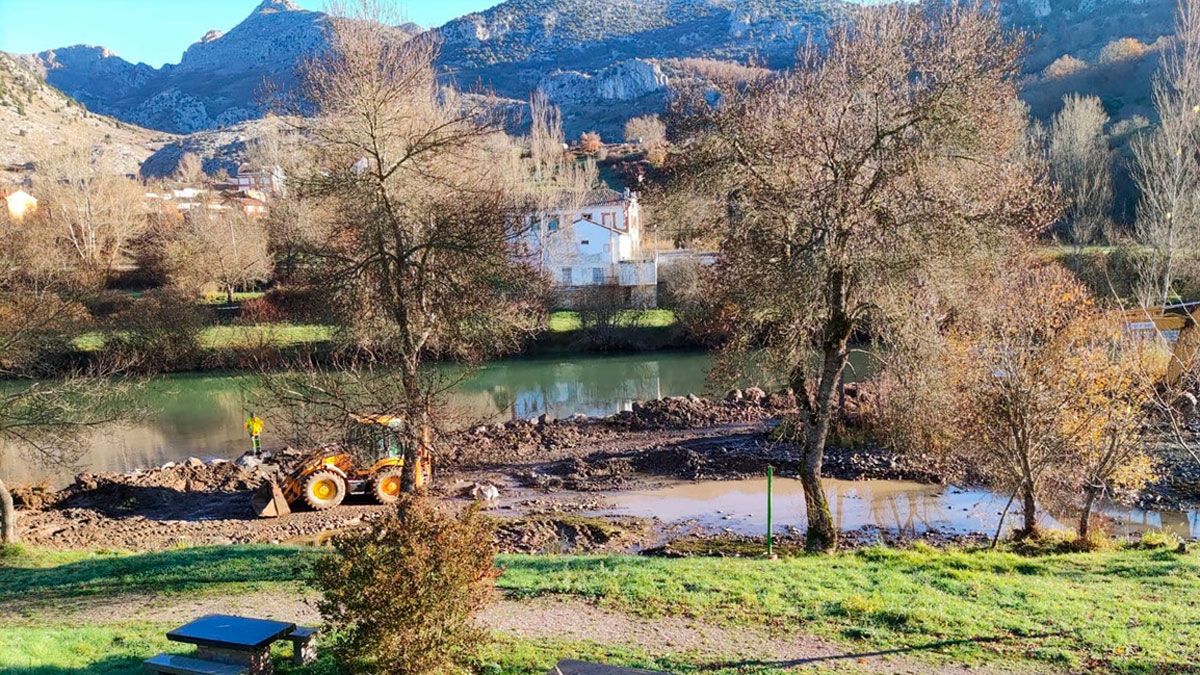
(739, 507)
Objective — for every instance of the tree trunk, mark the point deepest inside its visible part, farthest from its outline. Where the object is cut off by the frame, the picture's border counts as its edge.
(1030, 506)
(1085, 517)
(415, 419)
(229, 295)
(8, 516)
(822, 534)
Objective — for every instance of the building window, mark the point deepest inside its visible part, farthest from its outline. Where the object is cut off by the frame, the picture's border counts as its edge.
(607, 220)
(566, 276)
(587, 216)
(553, 225)
(585, 242)
(598, 276)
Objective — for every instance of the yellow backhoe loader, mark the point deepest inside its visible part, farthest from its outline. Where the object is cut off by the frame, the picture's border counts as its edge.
(323, 480)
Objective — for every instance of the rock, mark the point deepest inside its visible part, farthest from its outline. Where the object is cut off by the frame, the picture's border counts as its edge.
(485, 492)
(692, 398)
(195, 462)
(248, 462)
(734, 396)
(755, 395)
(544, 419)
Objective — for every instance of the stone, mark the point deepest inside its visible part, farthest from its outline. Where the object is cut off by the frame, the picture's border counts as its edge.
(195, 462)
(248, 462)
(544, 419)
(485, 492)
(755, 395)
(734, 396)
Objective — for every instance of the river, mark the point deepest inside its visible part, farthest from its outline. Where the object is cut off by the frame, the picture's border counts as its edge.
(201, 415)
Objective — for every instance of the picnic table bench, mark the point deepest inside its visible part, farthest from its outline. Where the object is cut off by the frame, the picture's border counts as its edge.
(232, 645)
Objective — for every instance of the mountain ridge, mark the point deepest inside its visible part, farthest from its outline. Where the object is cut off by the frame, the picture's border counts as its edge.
(600, 61)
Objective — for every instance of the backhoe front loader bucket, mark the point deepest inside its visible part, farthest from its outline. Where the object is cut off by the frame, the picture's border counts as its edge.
(269, 502)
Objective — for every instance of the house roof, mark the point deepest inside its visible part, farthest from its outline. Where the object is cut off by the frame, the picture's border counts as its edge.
(597, 197)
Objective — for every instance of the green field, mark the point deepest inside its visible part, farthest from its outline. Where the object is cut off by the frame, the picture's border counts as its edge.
(1130, 611)
(566, 321)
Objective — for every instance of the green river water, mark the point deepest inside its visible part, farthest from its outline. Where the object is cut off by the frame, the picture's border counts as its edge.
(201, 415)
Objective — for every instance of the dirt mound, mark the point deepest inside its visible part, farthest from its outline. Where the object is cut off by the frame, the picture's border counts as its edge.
(567, 534)
(692, 412)
(170, 489)
(522, 440)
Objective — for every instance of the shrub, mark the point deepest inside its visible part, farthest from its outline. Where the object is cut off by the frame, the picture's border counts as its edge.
(161, 329)
(590, 142)
(1064, 66)
(261, 310)
(1123, 49)
(400, 596)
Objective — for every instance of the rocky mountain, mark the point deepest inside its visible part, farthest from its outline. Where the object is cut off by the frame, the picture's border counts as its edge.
(35, 115)
(219, 80)
(600, 61)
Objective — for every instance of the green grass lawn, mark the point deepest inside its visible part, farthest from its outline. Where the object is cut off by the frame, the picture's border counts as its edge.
(565, 321)
(234, 336)
(291, 335)
(1135, 611)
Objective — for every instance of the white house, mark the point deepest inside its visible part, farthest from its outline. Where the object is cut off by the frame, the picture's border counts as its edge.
(265, 179)
(598, 242)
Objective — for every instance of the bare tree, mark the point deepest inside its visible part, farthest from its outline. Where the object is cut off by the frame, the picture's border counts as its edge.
(86, 213)
(47, 419)
(853, 187)
(1081, 164)
(189, 169)
(417, 241)
(219, 248)
(1166, 166)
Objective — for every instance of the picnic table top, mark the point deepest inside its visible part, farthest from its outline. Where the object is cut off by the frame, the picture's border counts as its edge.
(231, 632)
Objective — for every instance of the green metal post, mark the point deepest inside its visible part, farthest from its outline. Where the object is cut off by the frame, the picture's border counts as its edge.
(770, 536)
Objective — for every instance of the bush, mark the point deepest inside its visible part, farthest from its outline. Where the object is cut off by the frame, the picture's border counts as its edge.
(299, 304)
(158, 332)
(400, 597)
(257, 311)
(1063, 66)
(590, 142)
(1123, 49)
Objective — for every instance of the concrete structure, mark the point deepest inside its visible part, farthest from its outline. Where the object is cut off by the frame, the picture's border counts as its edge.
(597, 242)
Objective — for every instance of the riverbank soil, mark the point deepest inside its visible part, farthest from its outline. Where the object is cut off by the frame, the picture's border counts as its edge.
(556, 481)
(552, 477)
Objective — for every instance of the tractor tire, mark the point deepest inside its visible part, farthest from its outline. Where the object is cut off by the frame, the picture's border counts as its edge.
(324, 490)
(385, 486)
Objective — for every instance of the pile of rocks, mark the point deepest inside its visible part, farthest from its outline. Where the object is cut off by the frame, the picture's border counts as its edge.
(691, 412)
(521, 439)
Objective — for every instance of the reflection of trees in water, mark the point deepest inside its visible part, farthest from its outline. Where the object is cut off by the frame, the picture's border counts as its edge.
(593, 385)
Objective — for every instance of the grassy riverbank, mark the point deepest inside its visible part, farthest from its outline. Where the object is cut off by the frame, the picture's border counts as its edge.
(562, 326)
(1133, 610)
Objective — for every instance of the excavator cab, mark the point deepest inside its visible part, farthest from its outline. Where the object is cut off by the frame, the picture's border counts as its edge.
(371, 462)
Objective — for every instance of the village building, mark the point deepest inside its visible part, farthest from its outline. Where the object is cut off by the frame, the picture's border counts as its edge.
(269, 180)
(596, 242)
(20, 204)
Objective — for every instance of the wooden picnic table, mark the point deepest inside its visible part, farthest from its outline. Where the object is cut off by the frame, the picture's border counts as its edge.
(234, 640)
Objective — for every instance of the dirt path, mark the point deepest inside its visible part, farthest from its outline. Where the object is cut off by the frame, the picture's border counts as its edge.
(539, 618)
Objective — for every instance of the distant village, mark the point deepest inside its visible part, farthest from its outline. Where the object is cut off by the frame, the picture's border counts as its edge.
(597, 241)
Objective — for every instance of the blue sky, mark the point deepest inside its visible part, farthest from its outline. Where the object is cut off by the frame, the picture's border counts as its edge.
(157, 31)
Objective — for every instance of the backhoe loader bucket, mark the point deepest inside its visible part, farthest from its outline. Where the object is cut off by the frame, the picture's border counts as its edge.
(269, 502)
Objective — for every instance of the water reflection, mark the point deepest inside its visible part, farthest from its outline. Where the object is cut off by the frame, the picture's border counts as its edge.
(201, 415)
(897, 506)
